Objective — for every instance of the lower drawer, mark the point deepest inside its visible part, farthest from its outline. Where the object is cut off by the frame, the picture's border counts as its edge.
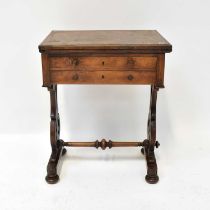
(103, 77)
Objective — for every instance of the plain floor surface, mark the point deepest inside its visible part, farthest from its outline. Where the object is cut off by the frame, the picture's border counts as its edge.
(93, 179)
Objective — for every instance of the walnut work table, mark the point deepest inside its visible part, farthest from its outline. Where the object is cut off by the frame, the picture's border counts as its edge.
(103, 57)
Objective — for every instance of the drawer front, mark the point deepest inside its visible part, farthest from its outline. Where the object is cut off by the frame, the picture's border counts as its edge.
(103, 63)
(103, 77)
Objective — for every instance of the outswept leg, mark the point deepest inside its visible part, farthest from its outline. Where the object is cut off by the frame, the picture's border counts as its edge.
(56, 144)
(151, 143)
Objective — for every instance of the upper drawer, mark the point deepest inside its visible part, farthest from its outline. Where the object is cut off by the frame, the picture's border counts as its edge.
(103, 63)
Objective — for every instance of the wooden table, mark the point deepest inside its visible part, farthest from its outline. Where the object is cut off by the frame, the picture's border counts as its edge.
(103, 57)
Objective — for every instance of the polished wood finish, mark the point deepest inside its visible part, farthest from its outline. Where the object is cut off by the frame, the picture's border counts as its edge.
(127, 69)
(130, 69)
(103, 57)
(103, 63)
(103, 144)
(105, 39)
(56, 144)
(103, 77)
(151, 176)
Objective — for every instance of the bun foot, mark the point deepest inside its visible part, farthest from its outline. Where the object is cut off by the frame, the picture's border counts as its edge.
(52, 179)
(64, 151)
(152, 179)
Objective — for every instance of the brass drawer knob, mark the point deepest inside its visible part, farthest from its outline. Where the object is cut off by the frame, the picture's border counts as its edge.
(130, 77)
(75, 77)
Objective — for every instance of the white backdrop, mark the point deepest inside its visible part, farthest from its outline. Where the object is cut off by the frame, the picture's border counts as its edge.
(111, 112)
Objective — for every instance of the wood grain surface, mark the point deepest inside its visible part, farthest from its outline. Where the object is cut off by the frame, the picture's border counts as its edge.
(105, 39)
(103, 77)
(109, 63)
(103, 57)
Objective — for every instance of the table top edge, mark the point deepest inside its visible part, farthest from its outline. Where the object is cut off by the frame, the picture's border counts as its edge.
(165, 46)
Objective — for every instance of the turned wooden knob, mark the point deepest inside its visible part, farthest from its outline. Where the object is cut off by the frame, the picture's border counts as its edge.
(74, 61)
(130, 77)
(130, 61)
(75, 77)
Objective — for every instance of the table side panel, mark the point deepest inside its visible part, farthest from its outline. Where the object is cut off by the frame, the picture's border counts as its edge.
(160, 70)
(45, 69)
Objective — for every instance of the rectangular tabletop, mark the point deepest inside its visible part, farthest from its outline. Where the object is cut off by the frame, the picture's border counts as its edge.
(105, 39)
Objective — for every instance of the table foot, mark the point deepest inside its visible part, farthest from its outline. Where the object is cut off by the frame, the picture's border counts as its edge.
(151, 176)
(52, 179)
(148, 152)
(152, 179)
(52, 175)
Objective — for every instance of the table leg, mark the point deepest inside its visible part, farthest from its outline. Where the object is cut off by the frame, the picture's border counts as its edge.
(56, 144)
(150, 143)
